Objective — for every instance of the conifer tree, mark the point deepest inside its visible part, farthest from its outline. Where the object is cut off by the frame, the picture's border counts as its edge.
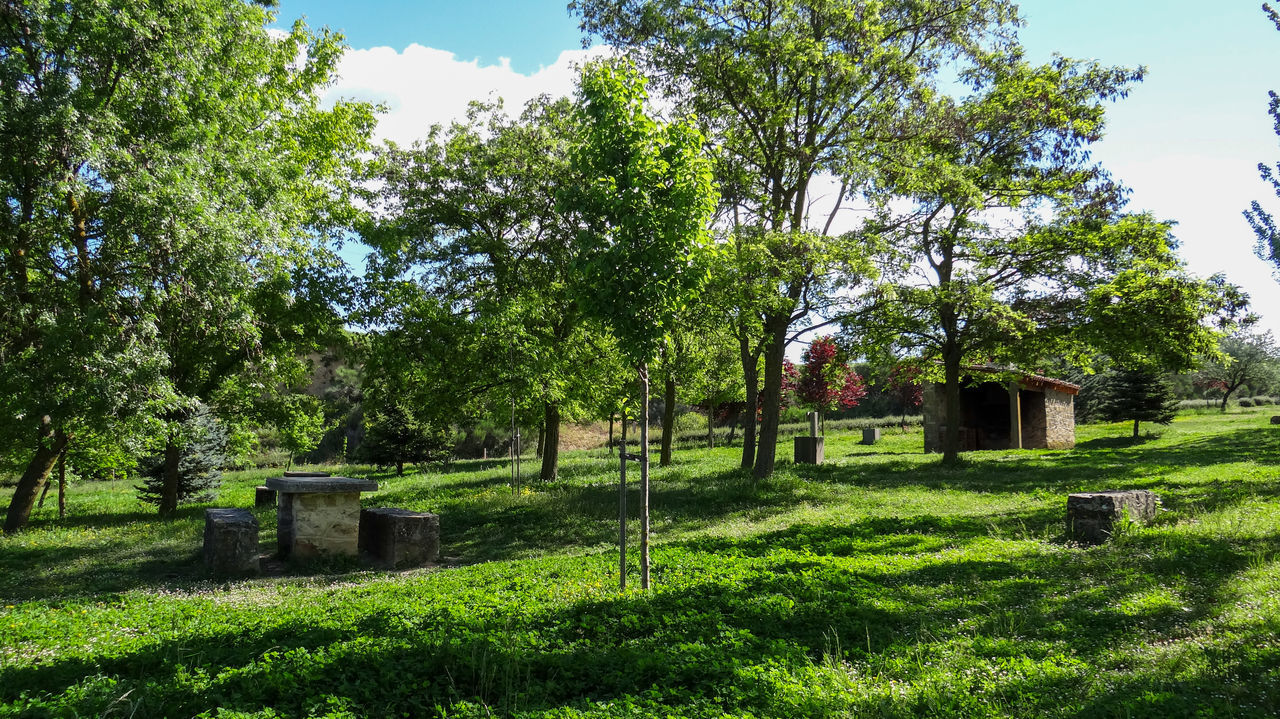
(1140, 395)
(201, 452)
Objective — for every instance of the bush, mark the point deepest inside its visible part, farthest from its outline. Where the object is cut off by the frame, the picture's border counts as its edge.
(1246, 402)
(1263, 400)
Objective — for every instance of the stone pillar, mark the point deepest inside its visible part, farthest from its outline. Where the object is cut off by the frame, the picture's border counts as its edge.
(808, 450)
(230, 541)
(870, 435)
(813, 424)
(318, 515)
(1092, 516)
(399, 537)
(264, 497)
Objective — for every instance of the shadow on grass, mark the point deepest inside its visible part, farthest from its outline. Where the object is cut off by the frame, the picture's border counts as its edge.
(738, 624)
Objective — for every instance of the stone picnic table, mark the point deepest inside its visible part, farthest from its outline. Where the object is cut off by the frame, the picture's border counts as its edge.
(318, 515)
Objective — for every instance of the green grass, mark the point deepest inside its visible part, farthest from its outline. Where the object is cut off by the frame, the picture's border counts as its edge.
(876, 585)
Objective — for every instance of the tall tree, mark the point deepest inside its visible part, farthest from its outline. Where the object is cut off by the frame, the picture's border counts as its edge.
(1014, 250)
(470, 231)
(145, 146)
(1262, 222)
(645, 205)
(789, 91)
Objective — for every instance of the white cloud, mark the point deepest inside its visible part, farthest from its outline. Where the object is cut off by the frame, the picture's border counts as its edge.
(422, 86)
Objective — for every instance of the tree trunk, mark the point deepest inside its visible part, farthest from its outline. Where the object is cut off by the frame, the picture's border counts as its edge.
(43, 492)
(622, 506)
(610, 433)
(711, 428)
(951, 407)
(49, 447)
(169, 481)
(774, 353)
(1225, 396)
(551, 443)
(62, 485)
(537, 451)
(399, 467)
(750, 377)
(668, 421)
(644, 477)
(1135, 429)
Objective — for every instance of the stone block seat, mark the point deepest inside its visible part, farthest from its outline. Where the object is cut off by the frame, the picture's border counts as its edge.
(870, 435)
(1092, 516)
(230, 541)
(318, 515)
(399, 538)
(264, 497)
(808, 450)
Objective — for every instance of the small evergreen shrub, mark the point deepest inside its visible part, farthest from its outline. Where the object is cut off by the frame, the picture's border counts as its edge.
(1246, 402)
(202, 453)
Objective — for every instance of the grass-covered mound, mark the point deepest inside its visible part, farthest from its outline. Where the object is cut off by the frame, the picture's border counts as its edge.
(875, 585)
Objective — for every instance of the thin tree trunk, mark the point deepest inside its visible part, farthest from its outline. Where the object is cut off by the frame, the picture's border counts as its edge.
(399, 467)
(551, 443)
(1135, 429)
(668, 422)
(774, 353)
(750, 377)
(610, 433)
(537, 451)
(622, 506)
(711, 429)
(43, 492)
(644, 476)
(169, 481)
(49, 447)
(62, 485)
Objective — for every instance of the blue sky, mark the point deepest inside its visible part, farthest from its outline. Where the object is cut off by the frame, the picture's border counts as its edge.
(1187, 140)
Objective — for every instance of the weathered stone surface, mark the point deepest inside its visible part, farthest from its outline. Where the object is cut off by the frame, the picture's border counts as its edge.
(399, 537)
(1092, 516)
(264, 497)
(870, 435)
(808, 450)
(230, 541)
(320, 485)
(1060, 418)
(316, 524)
(308, 474)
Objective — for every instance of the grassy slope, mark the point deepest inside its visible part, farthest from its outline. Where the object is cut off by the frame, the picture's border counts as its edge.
(874, 585)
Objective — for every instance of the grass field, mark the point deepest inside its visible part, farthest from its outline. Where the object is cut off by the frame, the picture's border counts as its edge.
(876, 585)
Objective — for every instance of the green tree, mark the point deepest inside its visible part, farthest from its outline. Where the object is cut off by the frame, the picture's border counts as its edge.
(394, 435)
(1141, 395)
(1247, 359)
(470, 230)
(1014, 251)
(1262, 222)
(155, 158)
(788, 91)
(644, 205)
(301, 423)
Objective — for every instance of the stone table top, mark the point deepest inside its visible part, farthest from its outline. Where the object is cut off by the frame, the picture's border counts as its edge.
(320, 485)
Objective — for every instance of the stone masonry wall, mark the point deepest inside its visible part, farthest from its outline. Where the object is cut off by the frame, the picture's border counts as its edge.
(1060, 417)
(932, 408)
(325, 523)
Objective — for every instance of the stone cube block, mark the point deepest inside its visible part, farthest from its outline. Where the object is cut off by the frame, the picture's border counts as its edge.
(808, 450)
(264, 497)
(400, 537)
(230, 541)
(870, 435)
(1092, 516)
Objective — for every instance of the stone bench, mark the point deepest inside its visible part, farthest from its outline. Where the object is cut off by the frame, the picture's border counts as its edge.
(230, 541)
(399, 537)
(264, 497)
(870, 435)
(1092, 516)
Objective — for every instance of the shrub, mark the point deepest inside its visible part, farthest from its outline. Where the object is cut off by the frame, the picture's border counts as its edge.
(200, 461)
(1246, 402)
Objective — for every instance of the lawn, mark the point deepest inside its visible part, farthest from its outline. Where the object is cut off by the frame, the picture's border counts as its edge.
(876, 585)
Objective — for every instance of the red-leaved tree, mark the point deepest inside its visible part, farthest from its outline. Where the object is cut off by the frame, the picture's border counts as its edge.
(824, 382)
(904, 386)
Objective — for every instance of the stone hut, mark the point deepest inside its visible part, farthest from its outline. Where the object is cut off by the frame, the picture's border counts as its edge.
(1032, 412)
